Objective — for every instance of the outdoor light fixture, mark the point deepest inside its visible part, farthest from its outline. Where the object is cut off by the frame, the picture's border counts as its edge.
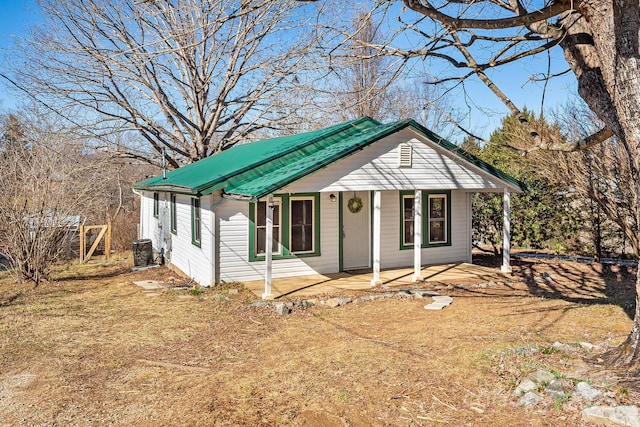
(332, 197)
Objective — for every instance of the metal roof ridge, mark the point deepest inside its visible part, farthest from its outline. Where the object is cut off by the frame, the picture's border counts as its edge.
(340, 127)
(330, 130)
(387, 129)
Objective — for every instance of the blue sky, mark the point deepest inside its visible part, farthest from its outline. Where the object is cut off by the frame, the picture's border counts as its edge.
(17, 15)
(15, 18)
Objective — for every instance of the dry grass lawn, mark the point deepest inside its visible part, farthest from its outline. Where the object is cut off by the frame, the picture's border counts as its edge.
(92, 348)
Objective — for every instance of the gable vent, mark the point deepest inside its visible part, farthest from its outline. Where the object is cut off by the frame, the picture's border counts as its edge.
(404, 160)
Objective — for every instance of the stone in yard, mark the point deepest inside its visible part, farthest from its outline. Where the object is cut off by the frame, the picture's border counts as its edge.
(526, 350)
(587, 346)
(306, 303)
(612, 416)
(363, 298)
(259, 304)
(281, 308)
(542, 376)
(312, 301)
(585, 391)
(439, 302)
(563, 347)
(423, 292)
(525, 386)
(530, 398)
(435, 306)
(336, 302)
(555, 389)
(233, 291)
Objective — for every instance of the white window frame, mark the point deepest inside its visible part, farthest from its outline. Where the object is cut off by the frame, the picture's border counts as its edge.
(443, 219)
(278, 202)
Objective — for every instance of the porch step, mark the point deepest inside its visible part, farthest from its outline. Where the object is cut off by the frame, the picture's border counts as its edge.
(439, 302)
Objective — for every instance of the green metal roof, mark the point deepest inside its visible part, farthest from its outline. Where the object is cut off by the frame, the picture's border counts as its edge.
(253, 171)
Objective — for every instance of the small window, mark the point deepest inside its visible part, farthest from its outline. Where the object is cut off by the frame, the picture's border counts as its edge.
(196, 222)
(437, 218)
(408, 219)
(156, 204)
(406, 153)
(302, 228)
(174, 215)
(261, 227)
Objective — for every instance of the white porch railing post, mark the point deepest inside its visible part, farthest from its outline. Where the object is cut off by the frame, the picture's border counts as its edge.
(506, 229)
(377, 202)
(417, 237)
(268, 250)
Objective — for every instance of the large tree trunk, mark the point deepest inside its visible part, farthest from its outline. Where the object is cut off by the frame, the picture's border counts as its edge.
(603, 50)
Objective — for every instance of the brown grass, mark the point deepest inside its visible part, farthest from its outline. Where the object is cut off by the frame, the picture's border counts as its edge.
(92, 348)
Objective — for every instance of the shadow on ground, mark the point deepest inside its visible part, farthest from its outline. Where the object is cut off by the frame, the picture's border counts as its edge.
(580, 283)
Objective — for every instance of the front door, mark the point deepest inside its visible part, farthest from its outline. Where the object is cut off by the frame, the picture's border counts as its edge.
(356, 230)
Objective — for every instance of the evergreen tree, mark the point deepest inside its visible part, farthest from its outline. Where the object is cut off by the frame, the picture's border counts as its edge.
(542, 217)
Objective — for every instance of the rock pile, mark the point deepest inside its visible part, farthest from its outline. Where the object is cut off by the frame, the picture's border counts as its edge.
(283, 308)
(543, 385)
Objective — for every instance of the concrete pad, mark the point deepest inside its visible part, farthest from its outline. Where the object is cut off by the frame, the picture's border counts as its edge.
(150, 284)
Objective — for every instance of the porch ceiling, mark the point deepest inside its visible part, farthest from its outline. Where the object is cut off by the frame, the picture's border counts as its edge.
(304, 286)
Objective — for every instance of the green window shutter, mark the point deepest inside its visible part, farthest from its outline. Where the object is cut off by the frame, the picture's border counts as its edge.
(174, 214)
(156, 203)
(196, 222)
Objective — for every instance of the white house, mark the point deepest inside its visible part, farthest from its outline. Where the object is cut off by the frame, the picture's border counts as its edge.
(357, 195)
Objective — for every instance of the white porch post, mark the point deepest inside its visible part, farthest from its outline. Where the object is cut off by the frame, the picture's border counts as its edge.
(506, 229)
(417, 237)
(377, 202)
(268, 250)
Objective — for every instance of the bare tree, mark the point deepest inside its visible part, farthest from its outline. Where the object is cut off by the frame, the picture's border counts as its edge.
(193, 77)
(599, 40)
(366, 82)
(602, 177)
(600, 43)
(47, 189)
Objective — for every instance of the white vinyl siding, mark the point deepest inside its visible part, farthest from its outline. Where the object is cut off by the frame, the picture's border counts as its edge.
(392, 257)
(234, 245)
(376, 168)
(194, 261)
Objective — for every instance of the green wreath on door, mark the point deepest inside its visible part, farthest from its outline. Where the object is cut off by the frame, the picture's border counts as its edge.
(355, 204)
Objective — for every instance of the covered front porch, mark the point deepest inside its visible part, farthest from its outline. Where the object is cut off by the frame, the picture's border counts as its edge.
(304, 286)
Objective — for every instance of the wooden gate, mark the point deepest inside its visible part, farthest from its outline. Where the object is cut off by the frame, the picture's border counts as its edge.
(104, 233)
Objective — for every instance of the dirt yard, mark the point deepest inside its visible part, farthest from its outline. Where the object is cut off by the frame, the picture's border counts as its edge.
(92, 348)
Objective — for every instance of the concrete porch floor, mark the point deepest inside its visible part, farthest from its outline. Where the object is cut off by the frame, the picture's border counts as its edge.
(302, 286)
